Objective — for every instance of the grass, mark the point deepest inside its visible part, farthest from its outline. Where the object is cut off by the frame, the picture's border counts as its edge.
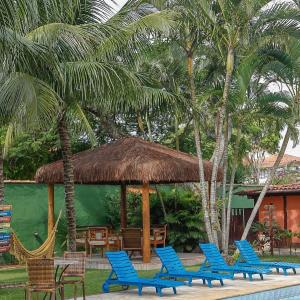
(291, 259)
(94, 279)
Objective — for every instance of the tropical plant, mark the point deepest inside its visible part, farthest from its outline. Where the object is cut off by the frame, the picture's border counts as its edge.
(184, 215)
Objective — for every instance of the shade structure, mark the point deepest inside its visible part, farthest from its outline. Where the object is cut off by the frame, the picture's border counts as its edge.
(124, 162)
(131, 161)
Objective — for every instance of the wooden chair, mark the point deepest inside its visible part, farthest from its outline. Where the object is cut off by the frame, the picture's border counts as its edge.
(81, 238)
(159, 235)
(114, 241)
(97, 238)
(75, 273)
(41, 278)
(132, 240)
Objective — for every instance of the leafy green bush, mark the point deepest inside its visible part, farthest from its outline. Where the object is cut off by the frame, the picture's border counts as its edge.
(183, 215)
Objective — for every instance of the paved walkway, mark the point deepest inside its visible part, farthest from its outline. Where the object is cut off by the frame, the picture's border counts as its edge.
(235, 287)
(188, 259)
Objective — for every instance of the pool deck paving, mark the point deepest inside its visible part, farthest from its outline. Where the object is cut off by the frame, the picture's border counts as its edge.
(232, 288)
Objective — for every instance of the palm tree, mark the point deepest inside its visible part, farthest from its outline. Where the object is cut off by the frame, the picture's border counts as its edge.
(237, 27)
(284, 68)
(79, 40)
(247, 105)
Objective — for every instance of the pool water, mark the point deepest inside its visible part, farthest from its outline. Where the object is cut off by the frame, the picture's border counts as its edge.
(288, 293)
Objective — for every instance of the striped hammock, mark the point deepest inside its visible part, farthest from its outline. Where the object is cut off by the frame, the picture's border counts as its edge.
(46, 250)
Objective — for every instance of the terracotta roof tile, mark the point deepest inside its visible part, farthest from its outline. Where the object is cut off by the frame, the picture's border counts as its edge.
(279, 188)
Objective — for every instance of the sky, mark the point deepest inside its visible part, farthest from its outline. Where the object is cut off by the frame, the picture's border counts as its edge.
(290, 149)
(119, 3)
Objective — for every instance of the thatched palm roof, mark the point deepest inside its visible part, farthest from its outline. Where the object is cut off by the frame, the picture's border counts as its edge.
(128, 160)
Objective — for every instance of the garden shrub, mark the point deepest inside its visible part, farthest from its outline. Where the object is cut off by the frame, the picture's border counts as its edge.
(184, 216)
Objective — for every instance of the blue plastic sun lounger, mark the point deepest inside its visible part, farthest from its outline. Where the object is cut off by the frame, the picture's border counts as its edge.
(249, 257)
(173, 268)
(216, 263)
(124, 274)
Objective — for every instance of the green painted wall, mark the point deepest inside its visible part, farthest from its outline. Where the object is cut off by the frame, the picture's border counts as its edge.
(30, 207)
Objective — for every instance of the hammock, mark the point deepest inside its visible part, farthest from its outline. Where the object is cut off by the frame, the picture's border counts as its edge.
(46, 250)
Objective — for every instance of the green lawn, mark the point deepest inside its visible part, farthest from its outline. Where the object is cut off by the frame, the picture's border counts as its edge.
(94, 279)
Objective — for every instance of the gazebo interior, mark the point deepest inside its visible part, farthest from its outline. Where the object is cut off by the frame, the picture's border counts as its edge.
(128, 161)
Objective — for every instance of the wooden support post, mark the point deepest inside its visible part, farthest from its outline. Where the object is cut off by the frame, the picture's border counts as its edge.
(50, 208)
(146, 224)
(123, 206)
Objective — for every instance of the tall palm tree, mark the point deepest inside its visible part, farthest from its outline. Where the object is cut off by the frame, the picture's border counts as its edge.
(236, 27)
(285, 69)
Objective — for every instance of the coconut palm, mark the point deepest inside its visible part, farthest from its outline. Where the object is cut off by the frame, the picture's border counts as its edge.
(74, 67)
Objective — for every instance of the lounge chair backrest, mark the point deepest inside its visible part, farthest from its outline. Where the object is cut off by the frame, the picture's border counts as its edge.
(213, 256)
(122, 265)
(247, 251)
(170, 259)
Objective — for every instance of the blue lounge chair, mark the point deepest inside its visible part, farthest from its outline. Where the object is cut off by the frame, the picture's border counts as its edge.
(216, 263)
(249, 257)
(173, 268)
(124, 274)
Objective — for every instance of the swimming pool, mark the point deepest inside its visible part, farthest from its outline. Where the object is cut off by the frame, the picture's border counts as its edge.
(288, 293)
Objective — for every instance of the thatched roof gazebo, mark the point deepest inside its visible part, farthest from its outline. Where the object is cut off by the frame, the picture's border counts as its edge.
(125, 162)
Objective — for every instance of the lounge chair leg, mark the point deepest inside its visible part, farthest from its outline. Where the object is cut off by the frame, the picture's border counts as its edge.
(294, 270)
(174, 290)
(209, 283)
(245, 276)
(222, 282)
(261, 276)
(285, 272)
(105, 287)
(159, 292)
(190, 281)
(203, 280)
(140, 288)
(250, 277)
(277, 270)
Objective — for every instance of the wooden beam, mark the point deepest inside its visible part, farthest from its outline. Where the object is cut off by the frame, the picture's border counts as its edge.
(50, 208)
(123, 206)
(146, 224)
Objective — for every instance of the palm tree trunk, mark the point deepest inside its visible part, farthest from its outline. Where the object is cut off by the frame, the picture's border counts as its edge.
(1, 178)
(213, 194)
(268, 182)
(68, 182)
(202, 183)
(177, 141)
(162, 203)
(231, 184)
(149, 128)
(224, 198)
